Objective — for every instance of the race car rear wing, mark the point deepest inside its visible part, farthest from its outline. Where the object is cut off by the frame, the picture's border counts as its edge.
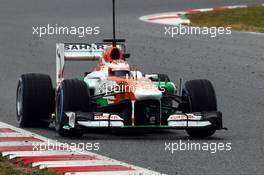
(79, 52)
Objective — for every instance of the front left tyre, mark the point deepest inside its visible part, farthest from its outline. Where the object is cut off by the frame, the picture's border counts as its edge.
(202, 97)
(34, 100)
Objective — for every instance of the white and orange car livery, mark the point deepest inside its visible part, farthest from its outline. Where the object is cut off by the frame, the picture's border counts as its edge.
(114, 87)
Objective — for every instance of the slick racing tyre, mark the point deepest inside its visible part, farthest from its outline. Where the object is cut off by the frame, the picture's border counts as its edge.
(34, 100)
(201, 95)
(73, 96)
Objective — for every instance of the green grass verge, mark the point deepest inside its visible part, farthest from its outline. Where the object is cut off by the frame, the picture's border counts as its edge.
(240, 19)
(8, 167)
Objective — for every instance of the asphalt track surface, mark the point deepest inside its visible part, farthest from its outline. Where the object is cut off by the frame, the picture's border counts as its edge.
(233, 63)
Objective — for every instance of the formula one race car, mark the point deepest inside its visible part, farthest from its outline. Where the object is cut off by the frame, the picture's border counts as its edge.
(114, 95)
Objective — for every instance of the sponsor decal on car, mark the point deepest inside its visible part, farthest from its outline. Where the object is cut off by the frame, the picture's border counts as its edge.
(106, 117)
(184, 117)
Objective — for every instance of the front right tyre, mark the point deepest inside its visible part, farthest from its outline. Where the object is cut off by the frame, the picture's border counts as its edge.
(72, 96)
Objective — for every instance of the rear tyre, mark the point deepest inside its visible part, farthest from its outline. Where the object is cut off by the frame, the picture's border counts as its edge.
(73, 95)
(34, 100)
(201, 95)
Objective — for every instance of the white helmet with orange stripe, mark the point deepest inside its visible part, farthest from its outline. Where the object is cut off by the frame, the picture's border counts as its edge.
(119, 68)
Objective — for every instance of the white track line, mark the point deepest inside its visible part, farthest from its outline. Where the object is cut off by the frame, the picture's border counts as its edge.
(19, 143)
(110, 173)
(12, 155)
(16, 134)
(49, 164)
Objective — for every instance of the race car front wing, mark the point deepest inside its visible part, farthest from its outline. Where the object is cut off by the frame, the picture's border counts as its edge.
(175, 121)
